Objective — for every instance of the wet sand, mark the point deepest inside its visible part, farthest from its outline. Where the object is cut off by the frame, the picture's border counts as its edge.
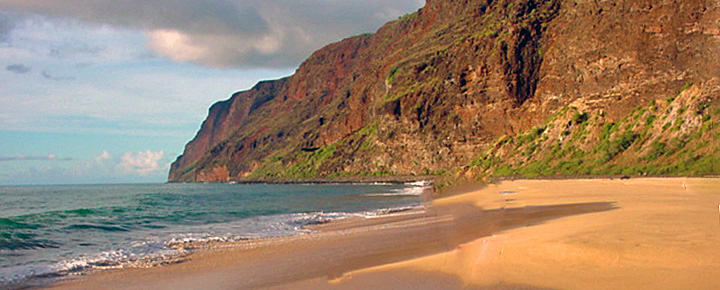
(530, 234)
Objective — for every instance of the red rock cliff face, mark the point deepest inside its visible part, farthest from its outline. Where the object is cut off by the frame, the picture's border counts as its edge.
(223, 119)
(432, 90)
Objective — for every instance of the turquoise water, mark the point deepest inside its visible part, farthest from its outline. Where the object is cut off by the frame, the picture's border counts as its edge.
(59, 230)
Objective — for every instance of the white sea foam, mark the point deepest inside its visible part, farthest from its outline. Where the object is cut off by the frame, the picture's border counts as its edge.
(143, 245)
(420, 183)
(418, 188)
(414, 191)
(396, 211)
(170, 247)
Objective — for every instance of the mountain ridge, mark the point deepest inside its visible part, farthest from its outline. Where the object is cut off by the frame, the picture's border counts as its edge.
(436, 90)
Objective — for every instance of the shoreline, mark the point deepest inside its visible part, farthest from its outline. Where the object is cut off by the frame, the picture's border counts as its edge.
(360, 253)
(390, 179)
(176, 248)
(610, 177)
(466, 184)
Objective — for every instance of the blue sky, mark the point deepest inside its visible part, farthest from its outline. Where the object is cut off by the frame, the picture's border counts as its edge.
(110, 91)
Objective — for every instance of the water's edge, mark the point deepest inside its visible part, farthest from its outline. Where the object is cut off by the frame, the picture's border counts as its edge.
(173, 249)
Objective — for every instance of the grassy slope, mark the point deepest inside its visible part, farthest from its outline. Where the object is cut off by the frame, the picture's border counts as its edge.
(302, 164)
(678, 136)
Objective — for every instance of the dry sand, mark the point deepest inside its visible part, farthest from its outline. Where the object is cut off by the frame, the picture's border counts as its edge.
(532, 234)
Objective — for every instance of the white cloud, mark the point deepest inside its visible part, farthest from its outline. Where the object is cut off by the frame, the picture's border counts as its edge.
(101, 166)
(141, 163)
(132, 164)
(176, 45)
(229, 33)
(114, 90)
(103, 156)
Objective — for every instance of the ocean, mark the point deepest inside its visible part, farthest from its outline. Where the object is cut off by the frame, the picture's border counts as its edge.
(55, 231)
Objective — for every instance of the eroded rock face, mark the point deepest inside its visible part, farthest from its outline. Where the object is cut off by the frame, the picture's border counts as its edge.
(431, 91)
(224, 118)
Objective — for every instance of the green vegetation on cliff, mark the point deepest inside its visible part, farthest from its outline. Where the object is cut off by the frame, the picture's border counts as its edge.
(675, 137)
(307, 163)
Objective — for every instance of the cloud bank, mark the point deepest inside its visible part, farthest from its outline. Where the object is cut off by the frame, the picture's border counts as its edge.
(144, 163)
(49, 157)
(227, 33)
(130, 167)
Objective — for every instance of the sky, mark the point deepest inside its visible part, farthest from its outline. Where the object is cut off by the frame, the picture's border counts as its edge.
(97, 91)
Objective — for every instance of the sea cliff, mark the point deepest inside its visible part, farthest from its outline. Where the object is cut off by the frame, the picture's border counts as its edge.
(479, 88)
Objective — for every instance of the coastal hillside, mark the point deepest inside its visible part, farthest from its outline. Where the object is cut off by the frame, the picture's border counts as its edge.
(479, 88)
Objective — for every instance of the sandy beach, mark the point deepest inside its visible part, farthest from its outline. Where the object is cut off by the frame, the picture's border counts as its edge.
(653, 233)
